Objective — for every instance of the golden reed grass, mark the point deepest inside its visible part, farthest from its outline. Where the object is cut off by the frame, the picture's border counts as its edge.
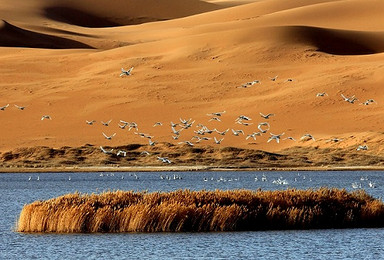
(200, 211)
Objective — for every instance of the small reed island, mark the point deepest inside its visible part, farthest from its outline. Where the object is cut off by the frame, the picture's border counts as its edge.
(202, 211)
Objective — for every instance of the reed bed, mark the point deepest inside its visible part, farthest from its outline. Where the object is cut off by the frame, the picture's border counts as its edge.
(202, 211)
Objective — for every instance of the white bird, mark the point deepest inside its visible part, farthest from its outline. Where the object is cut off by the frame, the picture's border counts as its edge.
(290, 138)
(4, 107)
(126, 72)
(362, 148)
(133, 125)
(106, 123)
(237, 132)
(163, 159)
(184, 121)
(121, 152)
(274, 78)
(158, 124)
(90, 122)
(307, 136)
(217, 113)
(109, 137)
(253, 135)
(350, 100)
(218, 141)
(151, 143)
(199, 139)
(335, 140)
(243, 123)
(105, 151)
(321, 94)
(187, 142)
(248, 84)
(46, 117)
(123, 126)
(223, 132)
(188, 124)
(20, 107)
(214, 119)
(263, 131)
(275, 137)
(145, 153)
(242, 117)
(266, 116)
(176, 132)
(175, 137)
(368, 102)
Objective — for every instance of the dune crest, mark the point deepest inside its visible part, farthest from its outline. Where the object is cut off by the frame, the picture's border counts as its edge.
(13, 36)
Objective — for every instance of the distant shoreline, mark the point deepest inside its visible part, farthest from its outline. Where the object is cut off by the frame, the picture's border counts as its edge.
(202, 168)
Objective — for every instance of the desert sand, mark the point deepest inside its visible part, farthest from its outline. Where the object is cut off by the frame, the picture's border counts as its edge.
(191, 58)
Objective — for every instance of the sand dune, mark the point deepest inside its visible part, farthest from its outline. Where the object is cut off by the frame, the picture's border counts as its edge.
(13, 36)
(189, 62)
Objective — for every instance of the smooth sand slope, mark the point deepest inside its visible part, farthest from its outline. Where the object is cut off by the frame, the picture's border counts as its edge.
(190, 58)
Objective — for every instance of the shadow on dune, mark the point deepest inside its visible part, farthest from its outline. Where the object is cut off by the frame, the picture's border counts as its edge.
(13, 36)
(77, 17)
(104, 13)
(338, 42)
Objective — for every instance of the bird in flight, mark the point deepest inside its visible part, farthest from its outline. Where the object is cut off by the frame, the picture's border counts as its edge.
(46, 117)
(163, 159)
(307, 136)
(20, 107)
(186, 142)
(223, 132)
(274, 78)
(218, 141)
(109, 137)
(90, 122)
(275, 137)
(216, 113)
(263, 131)
(321, 94)
(105, 151)
(350, 100)
(266, 116)
(4, 107)
(126, 72)
(253, 135)
(122, 153)
(106, 123)
(237, 132)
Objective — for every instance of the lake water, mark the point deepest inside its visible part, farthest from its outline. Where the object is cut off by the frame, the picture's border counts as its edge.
(18, 189)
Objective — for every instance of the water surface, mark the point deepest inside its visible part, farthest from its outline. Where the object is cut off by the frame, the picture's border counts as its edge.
(17, 189)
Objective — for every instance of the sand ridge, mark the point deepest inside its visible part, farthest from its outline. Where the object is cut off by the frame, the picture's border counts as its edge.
(188, 63)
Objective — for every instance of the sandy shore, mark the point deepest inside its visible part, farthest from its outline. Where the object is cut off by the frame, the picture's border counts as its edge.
(184, 158)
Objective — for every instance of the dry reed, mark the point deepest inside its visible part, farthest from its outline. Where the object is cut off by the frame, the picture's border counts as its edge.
(201, 211)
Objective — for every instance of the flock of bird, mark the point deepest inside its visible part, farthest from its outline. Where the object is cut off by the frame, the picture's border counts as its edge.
(203, 132)
(298, 179)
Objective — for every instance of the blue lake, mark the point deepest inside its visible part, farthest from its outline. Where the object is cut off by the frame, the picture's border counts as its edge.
(18, 189)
